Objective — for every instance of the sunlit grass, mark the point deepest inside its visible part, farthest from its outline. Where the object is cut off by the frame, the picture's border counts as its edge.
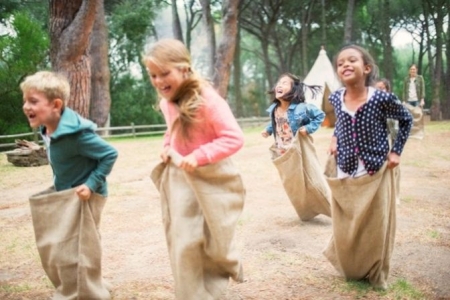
(20, 288)
(437, 126)
(400, 289)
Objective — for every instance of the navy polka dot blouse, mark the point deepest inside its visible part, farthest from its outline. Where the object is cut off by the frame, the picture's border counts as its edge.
(365, 135)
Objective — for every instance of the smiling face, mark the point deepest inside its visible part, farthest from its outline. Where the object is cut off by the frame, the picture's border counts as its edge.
(40, 110)
(283, 87)
(413, 71)
(351, 67)
(166, 80)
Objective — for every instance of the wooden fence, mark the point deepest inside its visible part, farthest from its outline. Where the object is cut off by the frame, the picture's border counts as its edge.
(126, 131)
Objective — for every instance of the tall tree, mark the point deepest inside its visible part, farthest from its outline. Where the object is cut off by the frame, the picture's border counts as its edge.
(208, 23)
(71, 23)
(193, 16)
(437, 16)
(225, 51)
(348, 30)
(100, 75)
(239, 107)
(176, 24)
(446, 99)
(386, 41)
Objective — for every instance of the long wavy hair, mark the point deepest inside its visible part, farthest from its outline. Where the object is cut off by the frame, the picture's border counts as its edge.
(297, 93)
(172, 52)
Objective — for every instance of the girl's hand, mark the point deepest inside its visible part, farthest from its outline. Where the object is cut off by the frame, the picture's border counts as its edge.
(393, 160)
(333, 146)
(164, 154)
(83, 192)
(188, 163)
(264, 133)
(303, 131)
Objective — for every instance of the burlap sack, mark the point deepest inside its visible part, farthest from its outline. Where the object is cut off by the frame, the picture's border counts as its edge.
(200, 211)
(302, 178)
(68, 242)
(417, 130)
(363, 211)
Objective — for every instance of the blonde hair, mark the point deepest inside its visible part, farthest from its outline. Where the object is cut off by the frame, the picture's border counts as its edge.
(172, 52)
(53, 85)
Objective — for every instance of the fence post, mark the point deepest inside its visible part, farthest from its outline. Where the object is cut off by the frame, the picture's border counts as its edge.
(35, 135)
(133, 130)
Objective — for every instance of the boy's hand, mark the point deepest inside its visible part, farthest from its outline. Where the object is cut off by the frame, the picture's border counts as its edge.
(188, 163)
(83, 192)
(264, 133)
(393, 160)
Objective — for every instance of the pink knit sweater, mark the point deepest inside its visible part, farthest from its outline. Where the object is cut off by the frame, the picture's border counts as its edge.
(216, 136)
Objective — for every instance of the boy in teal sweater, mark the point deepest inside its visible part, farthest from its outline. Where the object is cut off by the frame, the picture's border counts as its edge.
(80, 160)
(79, 157)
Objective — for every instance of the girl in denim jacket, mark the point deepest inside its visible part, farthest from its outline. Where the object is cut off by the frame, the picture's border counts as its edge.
(289, 112)
(293, 153)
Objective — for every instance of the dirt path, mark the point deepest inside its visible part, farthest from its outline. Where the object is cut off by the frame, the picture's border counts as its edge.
(282, 255)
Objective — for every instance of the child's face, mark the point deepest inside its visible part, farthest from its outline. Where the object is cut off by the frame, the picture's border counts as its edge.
(351, 68)
(165, 80)
(40, 110)
(283, 87)
(380, 85)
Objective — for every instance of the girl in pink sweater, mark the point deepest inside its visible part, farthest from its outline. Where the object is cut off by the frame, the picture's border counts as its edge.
(201, 190)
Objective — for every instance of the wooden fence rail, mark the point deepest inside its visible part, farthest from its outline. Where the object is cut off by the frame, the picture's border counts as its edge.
(127, 131)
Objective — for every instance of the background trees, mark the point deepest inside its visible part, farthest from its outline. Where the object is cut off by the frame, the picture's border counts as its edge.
(241, 45)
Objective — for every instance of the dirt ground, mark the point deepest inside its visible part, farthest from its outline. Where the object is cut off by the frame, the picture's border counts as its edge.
(282, 256)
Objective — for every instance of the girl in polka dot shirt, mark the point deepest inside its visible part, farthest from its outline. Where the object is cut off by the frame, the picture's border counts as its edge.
(360, 140)
(361, 178)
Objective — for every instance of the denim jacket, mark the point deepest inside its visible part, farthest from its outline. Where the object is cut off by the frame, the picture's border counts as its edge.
(301, 114)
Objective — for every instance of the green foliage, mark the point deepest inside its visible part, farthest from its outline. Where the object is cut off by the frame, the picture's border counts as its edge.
(22, 52)
(132, 98)
(133, 101)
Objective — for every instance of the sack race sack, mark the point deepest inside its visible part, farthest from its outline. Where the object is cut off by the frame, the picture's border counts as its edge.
(364, 224)
(418, 128)
(302, 178)
(200, 210)
(68, 241)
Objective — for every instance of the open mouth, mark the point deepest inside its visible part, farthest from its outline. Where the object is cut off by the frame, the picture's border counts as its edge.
(347, 72)
(165, 89)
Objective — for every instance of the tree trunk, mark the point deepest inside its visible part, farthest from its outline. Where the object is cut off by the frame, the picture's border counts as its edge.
(208, 23)
(348, 30)
(100, 75)
(445, 103)
(304, 33)
(388, 62)
(176, 24)
(438, 20)
(324, 24)
(239, 109)
(71, 23)
(225, 51)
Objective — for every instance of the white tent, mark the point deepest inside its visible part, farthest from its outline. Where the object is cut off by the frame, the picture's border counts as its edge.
(323, 75)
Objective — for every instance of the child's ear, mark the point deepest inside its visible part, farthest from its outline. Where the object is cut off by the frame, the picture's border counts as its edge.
(367, 69)
(58, 104)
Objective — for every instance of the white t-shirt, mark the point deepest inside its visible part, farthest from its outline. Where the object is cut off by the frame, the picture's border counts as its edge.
(412, 93)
